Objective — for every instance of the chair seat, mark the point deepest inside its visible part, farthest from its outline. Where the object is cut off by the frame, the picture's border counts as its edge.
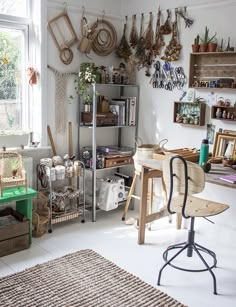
(197, 206)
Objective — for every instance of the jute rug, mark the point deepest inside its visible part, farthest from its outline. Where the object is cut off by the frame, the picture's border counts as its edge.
(84, 278)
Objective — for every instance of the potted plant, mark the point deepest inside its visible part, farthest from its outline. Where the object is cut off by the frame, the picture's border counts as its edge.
(87, 76)
(206, 40)
(195, 46)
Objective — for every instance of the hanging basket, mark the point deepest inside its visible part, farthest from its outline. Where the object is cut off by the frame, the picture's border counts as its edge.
(145, 151)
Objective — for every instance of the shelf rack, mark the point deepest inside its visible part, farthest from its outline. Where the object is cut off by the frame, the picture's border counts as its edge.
(94, 170)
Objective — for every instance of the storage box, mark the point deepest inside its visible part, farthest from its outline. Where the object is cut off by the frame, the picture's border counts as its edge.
(15, 234)
(118, 161)
(103, 118)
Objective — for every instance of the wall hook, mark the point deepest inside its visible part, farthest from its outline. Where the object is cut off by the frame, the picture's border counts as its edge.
(83, 11)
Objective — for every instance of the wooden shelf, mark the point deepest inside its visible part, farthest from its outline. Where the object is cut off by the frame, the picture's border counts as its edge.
(231, 110)
(191, 110)
(212, 66)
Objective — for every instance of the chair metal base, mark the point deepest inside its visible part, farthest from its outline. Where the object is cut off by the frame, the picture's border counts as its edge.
(190, 246)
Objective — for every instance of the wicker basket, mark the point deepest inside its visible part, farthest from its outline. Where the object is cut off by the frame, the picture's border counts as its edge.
(145, 151)
(41, 215)
(12, 172)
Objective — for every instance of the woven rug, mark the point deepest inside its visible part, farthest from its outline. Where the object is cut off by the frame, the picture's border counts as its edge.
(83, 278)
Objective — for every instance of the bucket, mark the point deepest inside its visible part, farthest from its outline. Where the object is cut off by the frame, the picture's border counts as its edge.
(145, 151)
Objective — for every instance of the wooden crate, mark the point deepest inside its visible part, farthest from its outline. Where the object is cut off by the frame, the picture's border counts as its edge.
(186, 153)
(14, 237)
(118, 161)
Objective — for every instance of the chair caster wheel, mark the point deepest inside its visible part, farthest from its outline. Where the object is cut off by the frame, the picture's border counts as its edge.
(83, 221)
(50, 231)
(123, 218)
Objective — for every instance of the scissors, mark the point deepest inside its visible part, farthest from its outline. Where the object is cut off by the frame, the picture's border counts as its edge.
(168, 86)
(156, 74)
(181, 78)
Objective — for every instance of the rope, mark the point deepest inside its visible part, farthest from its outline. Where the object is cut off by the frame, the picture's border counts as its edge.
(41, 174)
(101, 46)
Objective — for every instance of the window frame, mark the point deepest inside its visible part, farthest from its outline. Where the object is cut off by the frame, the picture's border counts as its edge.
(21, 24)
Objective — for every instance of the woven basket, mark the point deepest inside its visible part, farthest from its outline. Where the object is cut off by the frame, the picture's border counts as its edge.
(145, 151)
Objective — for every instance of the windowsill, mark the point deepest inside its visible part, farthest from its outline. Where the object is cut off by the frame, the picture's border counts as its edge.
(28, 149)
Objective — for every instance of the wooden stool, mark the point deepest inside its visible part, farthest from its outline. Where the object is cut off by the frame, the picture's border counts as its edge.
(131, 195)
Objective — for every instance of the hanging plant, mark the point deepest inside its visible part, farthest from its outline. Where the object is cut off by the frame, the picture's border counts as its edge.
(159, 40)
(133, 38)
(140, 53)
(166, 28)
(123, 50)
(172, 51)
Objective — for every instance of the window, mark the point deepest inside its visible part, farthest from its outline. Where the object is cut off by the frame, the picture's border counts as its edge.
(13, 63)
(15, 8)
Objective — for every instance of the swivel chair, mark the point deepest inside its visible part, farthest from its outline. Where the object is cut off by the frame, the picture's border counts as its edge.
(183, 179)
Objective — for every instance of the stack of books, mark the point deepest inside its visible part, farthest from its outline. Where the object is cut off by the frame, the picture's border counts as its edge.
(125, 109)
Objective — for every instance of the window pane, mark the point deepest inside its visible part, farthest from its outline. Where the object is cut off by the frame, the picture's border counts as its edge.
(11, 72)
(14, 7)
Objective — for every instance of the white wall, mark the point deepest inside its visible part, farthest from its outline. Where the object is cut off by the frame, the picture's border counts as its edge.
(156, 105)
(93, 10)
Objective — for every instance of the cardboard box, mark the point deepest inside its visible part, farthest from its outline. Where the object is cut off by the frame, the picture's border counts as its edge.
(15, 234)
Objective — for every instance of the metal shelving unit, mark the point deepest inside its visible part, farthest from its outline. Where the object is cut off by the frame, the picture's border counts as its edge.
(122, 91)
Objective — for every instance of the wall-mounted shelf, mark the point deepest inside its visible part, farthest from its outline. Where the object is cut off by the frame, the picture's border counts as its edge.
(223, 113)
(212, 70)
(189, 113)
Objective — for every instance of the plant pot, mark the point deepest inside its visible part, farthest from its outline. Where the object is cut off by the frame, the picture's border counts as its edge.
(87, 108)
(212, 47)
(203, 47)
(195, 48)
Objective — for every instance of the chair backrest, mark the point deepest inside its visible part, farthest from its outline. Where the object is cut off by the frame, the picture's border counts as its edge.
(182, 177)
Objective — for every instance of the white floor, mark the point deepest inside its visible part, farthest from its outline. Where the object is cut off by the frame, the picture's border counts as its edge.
(116, 241)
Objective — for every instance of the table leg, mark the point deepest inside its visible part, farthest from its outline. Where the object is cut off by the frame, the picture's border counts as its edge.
(25, 208)
(143, 206)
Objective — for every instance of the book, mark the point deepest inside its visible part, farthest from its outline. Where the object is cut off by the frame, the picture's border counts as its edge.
(130, 110)
(229, 178)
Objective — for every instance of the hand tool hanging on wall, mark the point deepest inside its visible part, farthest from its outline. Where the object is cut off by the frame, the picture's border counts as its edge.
(182, 13)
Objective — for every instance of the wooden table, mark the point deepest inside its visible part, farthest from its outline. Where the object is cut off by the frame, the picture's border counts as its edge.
(152, 169)
(23, 201)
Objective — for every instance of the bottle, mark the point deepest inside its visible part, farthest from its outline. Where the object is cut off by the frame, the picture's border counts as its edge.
(204, 151)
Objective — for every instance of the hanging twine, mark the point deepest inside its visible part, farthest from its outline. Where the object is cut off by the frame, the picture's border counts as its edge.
(61, 100)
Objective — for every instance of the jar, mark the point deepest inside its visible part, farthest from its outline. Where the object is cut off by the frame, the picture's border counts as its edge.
(218, 113)
(196, 120)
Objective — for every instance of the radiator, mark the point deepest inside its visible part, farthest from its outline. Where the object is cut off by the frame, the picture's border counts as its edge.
(28, 164)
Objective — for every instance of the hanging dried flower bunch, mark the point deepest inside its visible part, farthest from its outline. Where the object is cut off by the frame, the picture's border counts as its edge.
(149, 33)
(159, 40)
(133, 38)
(124, 50)
(140, 53)
(172, 51)
(166, 27)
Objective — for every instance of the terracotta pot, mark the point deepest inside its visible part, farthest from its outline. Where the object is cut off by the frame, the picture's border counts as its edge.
(203, 47)
(195, 48)
(212, 47)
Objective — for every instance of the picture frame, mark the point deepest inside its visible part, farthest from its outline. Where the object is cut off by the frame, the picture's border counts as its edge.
(225, 144)
(62, 31)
